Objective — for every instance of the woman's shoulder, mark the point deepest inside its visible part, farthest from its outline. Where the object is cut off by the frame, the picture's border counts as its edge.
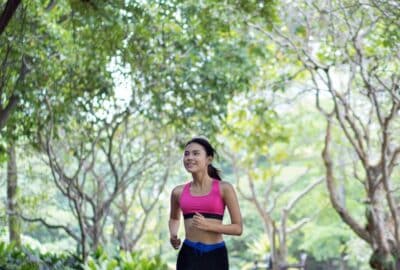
(176, 191)
(225, 183)
(225, 186)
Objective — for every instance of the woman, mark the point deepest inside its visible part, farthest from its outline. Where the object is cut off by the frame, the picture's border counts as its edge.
(202, 202)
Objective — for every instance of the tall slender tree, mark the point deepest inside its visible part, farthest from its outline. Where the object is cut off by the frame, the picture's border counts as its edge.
(14, 221)
(349, 51)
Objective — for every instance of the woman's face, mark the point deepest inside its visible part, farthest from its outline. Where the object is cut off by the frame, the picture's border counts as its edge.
(195, 158)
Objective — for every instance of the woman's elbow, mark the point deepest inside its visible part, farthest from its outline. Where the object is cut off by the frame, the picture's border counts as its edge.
(239, 230)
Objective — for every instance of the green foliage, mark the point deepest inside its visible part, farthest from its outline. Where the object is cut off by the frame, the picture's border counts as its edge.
(262, 10)
(51, 64)
(186, 62)
(25, 258)
(124, 261)
(317, 236)
(251, 128)
(185, 59)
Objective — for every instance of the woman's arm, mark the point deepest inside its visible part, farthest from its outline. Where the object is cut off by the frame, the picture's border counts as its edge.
(231, 201)
(174, 218)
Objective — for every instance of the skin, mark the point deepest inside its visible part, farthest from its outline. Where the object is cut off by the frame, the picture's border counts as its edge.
(199, 228)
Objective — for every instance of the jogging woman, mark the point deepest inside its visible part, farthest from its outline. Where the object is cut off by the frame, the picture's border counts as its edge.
(202, 201)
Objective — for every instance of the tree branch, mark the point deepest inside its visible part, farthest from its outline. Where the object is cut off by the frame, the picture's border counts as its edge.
(8, 12)
(386, 175)
(344, 214)
(52, 226)
(294, 201)
(6, 112)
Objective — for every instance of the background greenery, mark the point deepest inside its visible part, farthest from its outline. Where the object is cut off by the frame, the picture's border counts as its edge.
(97, 99)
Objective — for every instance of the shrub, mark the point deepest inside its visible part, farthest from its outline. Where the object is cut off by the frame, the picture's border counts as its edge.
(25, 258)
(125, 261)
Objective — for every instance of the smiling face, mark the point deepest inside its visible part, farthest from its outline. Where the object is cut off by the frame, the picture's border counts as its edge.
(195, 158)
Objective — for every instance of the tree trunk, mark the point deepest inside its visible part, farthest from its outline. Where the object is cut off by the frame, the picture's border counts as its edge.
(382, 257)
(380, 260)
(96, 233)
(14, 223)
(7, 110)
(8, 12)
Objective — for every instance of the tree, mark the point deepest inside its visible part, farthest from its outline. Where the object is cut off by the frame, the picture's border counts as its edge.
(37, 68)
(349, 52)
(134, 208)
(257, 150)
(110, 164)
(184, 61)
(12, 204)
(48, 54)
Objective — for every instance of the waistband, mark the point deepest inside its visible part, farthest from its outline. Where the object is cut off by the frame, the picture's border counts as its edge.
(201, 247)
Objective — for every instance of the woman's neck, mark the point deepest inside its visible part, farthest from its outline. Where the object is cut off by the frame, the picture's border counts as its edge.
(201, 179)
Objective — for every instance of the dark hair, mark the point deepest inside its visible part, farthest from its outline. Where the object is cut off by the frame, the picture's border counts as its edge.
(210, 151)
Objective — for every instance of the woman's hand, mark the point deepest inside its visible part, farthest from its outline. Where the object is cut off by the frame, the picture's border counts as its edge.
(175, 241)
(200, 222)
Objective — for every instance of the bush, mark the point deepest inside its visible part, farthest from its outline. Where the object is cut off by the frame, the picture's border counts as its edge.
(25, 258)
(124, 261)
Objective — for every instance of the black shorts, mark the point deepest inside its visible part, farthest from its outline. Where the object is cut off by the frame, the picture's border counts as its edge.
(193, 257)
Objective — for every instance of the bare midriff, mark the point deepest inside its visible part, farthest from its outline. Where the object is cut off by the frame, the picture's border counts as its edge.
(197, 235)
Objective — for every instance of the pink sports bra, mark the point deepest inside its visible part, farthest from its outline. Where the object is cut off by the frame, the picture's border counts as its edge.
(210, 206)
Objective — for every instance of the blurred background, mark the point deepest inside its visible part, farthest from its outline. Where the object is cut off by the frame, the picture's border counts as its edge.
(300, 98)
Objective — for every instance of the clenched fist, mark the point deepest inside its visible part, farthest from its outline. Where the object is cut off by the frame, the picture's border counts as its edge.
(200, 222)
(175, 241)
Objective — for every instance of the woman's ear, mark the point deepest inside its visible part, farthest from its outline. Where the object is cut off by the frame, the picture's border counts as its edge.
(210, 159)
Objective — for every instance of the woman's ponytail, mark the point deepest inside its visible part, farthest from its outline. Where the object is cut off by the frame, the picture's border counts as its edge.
(214, 172)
